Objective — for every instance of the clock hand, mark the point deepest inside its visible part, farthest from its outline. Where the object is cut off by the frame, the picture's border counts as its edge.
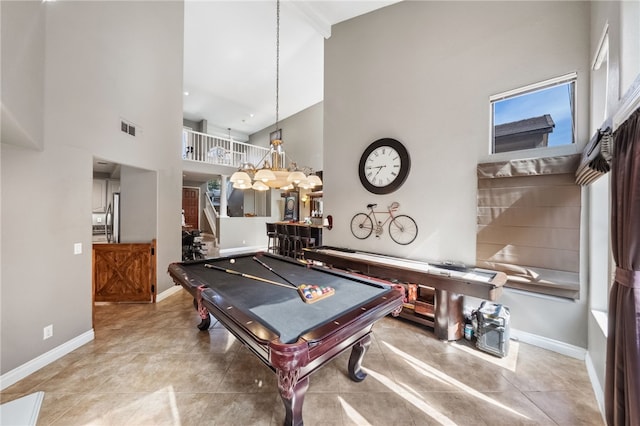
(379, 168)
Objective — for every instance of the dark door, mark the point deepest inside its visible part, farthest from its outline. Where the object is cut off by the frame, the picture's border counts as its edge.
(190, 203)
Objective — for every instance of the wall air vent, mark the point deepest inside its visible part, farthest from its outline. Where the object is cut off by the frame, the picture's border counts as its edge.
(128, 127)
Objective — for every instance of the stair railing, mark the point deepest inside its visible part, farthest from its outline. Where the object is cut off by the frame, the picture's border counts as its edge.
(209, 149)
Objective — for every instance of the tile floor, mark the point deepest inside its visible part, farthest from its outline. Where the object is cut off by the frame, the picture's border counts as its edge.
(150, 365)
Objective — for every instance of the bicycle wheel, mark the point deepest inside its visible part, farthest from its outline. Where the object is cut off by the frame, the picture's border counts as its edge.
(361, 226)
(403, 230)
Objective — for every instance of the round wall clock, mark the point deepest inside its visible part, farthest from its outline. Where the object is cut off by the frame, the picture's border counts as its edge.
(384, 166)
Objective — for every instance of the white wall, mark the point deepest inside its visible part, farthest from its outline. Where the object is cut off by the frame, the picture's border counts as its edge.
(422, 72)
(302, 136)
(23, 44)
(243, 233)
(103, 61)
(138, 205)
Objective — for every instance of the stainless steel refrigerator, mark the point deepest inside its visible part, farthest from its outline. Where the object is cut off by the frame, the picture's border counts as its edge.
(113, 219)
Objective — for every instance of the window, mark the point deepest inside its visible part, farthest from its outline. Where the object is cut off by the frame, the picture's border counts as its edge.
(540, 115)
(629, 44)
(529, 223)
(600, 259)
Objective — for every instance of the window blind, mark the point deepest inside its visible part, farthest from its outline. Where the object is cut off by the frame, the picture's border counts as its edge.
(529, 223)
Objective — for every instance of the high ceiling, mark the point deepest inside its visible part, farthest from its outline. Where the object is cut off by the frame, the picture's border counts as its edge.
(230, 58)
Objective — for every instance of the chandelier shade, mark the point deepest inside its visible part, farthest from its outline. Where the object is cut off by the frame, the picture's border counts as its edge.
(243, 185)
(259, 186)
(264, 175)
(314, 180)
(240, 177)
(296, 177)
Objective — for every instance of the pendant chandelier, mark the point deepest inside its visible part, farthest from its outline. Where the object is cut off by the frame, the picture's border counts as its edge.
(273, 174)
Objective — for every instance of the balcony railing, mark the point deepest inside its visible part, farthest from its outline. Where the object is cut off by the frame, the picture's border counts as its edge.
(209, 149)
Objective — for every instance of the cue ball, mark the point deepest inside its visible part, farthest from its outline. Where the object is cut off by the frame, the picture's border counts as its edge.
(232, 261)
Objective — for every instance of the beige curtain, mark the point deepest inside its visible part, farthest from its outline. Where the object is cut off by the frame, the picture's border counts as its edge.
(529, 223)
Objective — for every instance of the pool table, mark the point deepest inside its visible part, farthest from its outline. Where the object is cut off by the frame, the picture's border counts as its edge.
(292, 337)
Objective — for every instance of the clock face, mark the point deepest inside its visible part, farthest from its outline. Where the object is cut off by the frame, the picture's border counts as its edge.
(384, 166)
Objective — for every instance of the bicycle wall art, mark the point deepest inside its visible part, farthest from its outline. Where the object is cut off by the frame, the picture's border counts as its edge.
(402, 229)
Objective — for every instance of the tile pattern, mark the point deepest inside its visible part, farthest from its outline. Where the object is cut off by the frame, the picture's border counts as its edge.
(150, 365)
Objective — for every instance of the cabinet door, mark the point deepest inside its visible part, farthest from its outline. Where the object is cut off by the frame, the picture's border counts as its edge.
(124, 272)
(99, 202)
(112, 186)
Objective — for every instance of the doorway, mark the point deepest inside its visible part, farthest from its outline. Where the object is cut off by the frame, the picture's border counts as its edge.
(191, 207)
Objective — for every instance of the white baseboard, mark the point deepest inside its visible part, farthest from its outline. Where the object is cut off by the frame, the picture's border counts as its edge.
(598, 389)
(550, 344)
(45, 359)
(169, 292)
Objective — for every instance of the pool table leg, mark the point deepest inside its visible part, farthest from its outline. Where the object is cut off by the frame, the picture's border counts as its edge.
(202, 311)
(355, 360)
(293, 403)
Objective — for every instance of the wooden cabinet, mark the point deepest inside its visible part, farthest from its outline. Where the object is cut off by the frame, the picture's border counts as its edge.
(124, 272)
(103, 190)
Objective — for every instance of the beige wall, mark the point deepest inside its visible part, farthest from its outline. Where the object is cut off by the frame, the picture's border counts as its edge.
(302, 136)
(23, 43)
(102, 62)
(422, 72)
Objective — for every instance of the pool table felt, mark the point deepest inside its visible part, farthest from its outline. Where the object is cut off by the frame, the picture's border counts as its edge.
(281, 309)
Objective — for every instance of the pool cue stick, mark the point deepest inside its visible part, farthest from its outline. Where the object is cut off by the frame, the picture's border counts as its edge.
(242, 274)
(271, 269)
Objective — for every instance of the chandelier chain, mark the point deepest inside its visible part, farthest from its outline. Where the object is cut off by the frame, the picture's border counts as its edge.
(277, 61)
(265, 178)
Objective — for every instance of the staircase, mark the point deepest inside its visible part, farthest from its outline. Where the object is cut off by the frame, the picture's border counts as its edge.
(210, 229)
(210, 243)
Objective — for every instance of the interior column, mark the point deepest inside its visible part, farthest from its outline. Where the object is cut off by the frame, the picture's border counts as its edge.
(223, 195)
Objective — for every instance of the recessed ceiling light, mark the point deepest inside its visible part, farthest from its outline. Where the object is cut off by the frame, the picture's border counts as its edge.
(186, 93)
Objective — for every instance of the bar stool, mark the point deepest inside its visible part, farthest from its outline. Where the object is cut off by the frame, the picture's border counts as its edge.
(283, 239)
(305, 240)
(294, 241)
(272, 238)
